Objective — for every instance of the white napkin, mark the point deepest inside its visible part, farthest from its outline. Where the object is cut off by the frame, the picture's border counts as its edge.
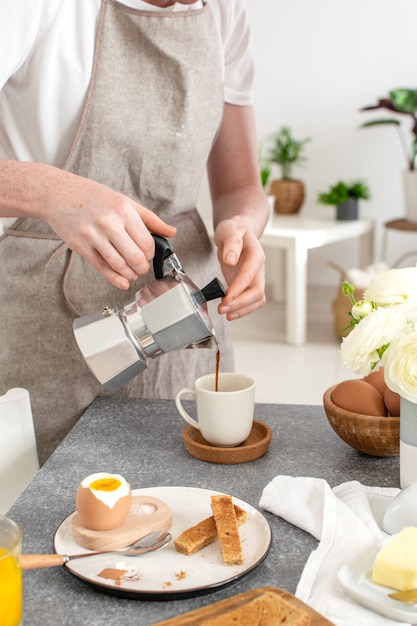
(347, 521)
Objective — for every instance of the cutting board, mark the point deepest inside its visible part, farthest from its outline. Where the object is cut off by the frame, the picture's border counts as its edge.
(196, 617)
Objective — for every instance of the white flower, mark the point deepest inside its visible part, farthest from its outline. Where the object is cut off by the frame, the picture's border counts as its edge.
(362, 348)
(361, 308)
(400, 366)
(387, 334)
(396, 288)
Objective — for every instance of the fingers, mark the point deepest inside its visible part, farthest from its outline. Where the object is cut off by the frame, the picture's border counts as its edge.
(121, 248)
(246, 279)
(247, 301)
(108, 229)
(155, 225)
(120, 278)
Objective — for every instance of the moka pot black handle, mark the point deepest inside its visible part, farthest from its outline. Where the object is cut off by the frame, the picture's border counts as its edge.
(163, 249)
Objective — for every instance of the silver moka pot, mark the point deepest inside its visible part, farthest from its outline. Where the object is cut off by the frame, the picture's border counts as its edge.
(167, 314)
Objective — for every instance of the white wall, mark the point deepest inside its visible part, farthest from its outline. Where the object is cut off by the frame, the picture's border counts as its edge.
(317, 63)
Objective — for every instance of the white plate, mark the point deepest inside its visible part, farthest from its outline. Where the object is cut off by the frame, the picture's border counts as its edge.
(356, 579)
(166, 571)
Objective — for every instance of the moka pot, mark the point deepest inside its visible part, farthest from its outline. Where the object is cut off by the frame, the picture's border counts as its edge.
(170, 313)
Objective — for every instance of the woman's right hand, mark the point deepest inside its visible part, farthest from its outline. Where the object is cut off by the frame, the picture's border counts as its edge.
(108, 229)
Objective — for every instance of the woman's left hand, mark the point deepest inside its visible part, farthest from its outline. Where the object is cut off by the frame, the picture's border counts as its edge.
(242, 260)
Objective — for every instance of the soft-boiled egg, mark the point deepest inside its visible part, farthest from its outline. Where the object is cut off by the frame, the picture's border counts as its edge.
(103, 501)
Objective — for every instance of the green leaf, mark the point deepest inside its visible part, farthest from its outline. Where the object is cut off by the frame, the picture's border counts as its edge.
(404, 100)
(381, 122)
(287, 151)
(342, 191)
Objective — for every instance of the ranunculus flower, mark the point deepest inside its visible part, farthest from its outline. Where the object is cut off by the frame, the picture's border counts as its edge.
(387, 334)
(396, 288)
(361, 308)
(361, 349)
(400, 366)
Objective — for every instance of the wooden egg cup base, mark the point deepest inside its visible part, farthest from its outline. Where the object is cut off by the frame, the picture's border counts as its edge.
(146, 515)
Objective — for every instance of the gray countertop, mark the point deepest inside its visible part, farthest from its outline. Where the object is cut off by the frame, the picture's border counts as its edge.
(142, 440)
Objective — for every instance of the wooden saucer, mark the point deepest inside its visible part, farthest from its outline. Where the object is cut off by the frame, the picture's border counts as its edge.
(255, 446)
(146, 515)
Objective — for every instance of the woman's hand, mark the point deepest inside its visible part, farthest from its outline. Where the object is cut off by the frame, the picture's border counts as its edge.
(242, 260)
(240, 211)
(108, 229)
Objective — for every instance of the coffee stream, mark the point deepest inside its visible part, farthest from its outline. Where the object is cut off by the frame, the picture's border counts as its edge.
(217, 370)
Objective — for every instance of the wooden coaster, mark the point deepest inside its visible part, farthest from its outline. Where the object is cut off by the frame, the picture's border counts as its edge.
(146, 515)
(255, 446)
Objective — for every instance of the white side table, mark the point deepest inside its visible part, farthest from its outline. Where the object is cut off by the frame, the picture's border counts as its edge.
(297, 234)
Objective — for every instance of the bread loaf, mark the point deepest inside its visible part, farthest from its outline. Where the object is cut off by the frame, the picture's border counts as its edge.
(203, 533)
(227, 529)
(268, 609)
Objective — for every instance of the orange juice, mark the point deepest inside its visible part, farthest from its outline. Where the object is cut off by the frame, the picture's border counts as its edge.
(10, 589)
(10, 574)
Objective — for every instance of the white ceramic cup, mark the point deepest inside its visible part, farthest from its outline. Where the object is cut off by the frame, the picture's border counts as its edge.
(225, 417)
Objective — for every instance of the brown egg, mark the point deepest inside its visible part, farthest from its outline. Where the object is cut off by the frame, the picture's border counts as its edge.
(103, 501)
(377, 380)
(392, 402)
(359, 396)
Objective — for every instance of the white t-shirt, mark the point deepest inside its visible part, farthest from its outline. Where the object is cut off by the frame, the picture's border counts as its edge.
(46, 55)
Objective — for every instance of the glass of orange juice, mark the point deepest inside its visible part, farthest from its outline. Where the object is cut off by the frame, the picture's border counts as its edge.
(10, 573)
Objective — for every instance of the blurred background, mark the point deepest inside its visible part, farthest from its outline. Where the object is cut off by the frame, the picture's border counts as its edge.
(317, 63)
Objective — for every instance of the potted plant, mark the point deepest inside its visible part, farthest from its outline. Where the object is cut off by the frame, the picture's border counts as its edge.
(345, 196)
(265, 169)
(287, 152)
(402, 102)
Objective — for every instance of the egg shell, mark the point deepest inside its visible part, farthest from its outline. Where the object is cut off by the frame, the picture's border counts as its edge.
(358, 396)
(377, 380)
(95, 515)
(392, 402)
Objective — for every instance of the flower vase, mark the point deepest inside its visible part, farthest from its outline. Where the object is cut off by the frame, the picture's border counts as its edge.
(408, 442)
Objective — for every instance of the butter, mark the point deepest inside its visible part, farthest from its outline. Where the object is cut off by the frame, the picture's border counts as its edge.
(396, 563)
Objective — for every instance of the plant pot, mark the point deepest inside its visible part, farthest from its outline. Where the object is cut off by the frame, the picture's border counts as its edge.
(289, 195)
(348, 210)
(410, 194)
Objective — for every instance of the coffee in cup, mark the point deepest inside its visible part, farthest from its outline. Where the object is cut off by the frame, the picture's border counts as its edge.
(225, 416)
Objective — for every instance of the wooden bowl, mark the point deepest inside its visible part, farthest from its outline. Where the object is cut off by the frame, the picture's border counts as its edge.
(376, 436)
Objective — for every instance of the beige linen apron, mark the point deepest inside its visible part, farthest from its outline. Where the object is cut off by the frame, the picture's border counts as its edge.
(152, 112)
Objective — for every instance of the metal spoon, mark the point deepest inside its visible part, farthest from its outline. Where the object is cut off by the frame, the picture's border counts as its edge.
(409, 596)
(148, 543)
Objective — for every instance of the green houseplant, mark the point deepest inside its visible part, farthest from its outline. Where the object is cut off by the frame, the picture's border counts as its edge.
(286, 152)
(265, 167)
(402, 102)
(345, 195)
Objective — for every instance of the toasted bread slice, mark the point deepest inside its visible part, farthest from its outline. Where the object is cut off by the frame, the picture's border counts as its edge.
(268, 609)
(203, 533)
(227, 529)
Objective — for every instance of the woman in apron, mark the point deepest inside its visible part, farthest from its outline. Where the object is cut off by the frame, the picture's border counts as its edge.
(153, 117)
